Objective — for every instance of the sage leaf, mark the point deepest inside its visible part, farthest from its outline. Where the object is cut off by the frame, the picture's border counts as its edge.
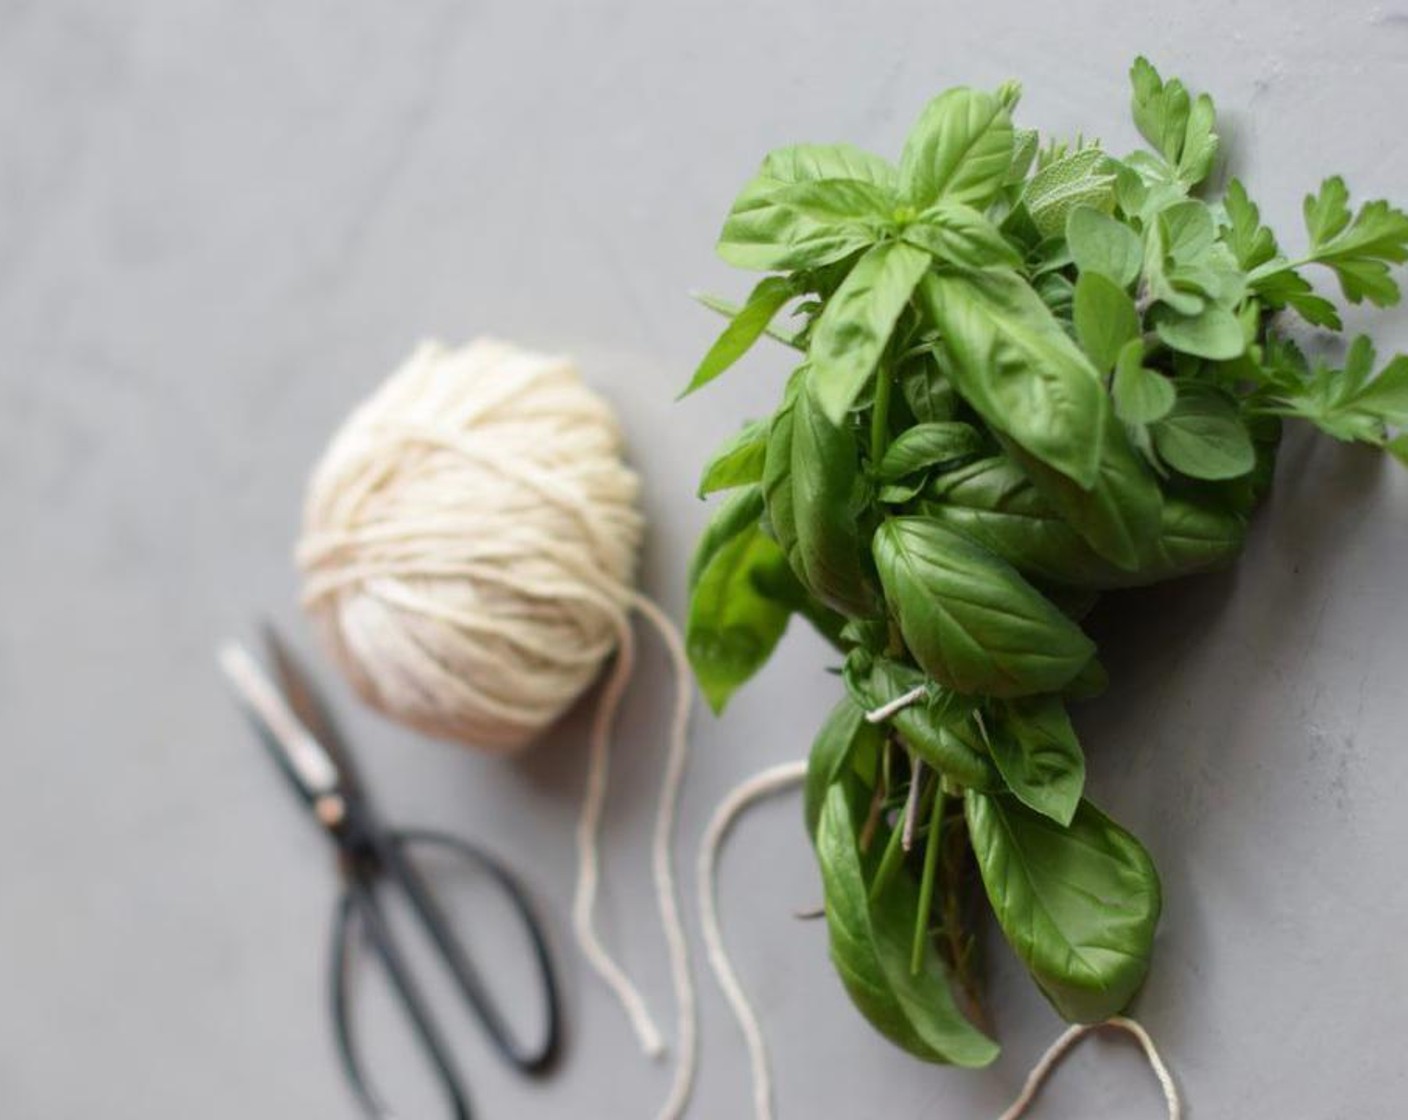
(959, 150)
(1105, 319)
(1082, 178)
(852, 333)
(870, 947)
(1079, 904)
(1203, 436)
(753, 319)
(970, 620)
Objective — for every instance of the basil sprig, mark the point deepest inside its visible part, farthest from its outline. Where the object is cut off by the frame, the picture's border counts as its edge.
(1030, 375)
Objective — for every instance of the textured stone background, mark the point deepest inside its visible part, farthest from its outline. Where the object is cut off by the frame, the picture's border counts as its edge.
(221, 223)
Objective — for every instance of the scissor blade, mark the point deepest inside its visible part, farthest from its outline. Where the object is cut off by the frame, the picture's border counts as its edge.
(307, 761)
(307, 704)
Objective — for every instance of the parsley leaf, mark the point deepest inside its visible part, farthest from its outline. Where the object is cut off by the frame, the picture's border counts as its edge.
(1351, 403)
(1359, 249)
(1178, 125)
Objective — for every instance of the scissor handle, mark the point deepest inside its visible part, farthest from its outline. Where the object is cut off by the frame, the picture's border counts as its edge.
(529, 1060)
(360, 904)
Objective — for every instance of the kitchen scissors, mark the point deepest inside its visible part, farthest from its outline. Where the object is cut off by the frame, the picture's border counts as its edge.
(376, 865)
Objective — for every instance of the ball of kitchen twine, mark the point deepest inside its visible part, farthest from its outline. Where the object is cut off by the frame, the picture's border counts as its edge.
(470, 541)
(469, 548)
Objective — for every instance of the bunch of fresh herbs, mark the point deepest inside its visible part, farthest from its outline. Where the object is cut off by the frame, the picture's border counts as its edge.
(1030, 374)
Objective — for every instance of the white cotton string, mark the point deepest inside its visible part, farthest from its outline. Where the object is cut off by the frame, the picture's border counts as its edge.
(776, 780)
(765, 784)
(1072, 1035)
(469, 547)
(885, 711)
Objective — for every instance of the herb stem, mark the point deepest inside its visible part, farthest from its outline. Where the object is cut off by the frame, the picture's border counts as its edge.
(889, 863)
(880, 415)
(926, 882)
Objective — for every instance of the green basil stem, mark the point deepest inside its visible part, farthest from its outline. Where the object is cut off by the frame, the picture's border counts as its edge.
(926, 882)
(889, 863)
(880, 415)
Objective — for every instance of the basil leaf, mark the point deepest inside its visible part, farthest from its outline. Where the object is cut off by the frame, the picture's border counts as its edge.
(1118, 514)
(744, 329)
(870, 947)
(1036, 750)
(733, 627)
(970, 620)
(738, 461)
(959, 150)
(778, 227)
(1010, 359)
(1141, 395)
(805, 163)
(937, 729)
(1078, 904)
(729, 310)
(843, 736)
(827, 495)
(926, 390)
(1203, 436)
(960, 235)
(1102, 244)
(856, 325)
(1214, 332)
(1105, 319)
(735, 514)
(939, 443)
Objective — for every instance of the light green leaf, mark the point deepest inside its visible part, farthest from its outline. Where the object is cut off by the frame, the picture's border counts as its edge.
(744, 329)
(778, 227)
(1100, 243)
(870, 947)
(1203, 436)
(959, 150)
(738, 461)
(1359, 250)
(730, 310)
(806, 163)
(1214, 332)
(1141, 395)
(969, 619)
(960, 235)
(1010, 360)
(1036, 750)
(1250, 241)
(732, 516)
(938, 443)
(856, 325)
(1082, 178)
(1079, 904)
(1105, 319)
(732, 627)
(1178, 125)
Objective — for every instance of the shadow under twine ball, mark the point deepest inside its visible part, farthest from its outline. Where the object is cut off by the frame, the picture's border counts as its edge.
(470, 542)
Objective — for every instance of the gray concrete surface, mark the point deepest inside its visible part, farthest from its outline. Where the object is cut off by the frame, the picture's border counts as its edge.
(221, 223)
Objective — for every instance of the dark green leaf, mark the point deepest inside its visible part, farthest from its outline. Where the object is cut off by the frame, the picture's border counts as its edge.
(1078, 904)
(1036, 750)
(1010, 359)
(744, 329)
(732, 627)
(844, 735)
(937, 444)
(1203, 436)
(870, 947)
(852, 333)
(969, 619)
(1105, 319)
(938, 728)
(959, 150)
